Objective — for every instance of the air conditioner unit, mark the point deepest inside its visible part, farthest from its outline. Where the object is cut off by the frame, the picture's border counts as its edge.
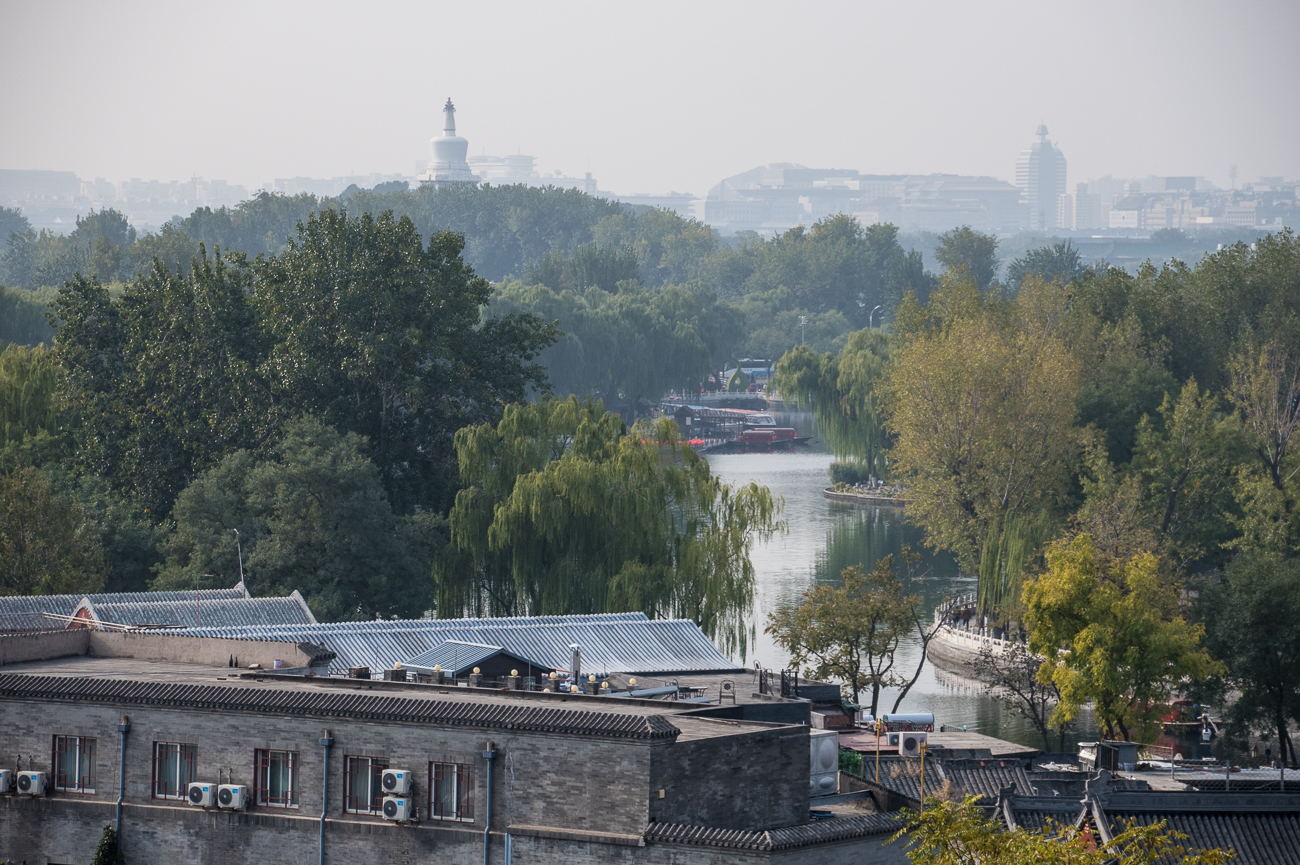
(201, 794)
(6, 780)
(909, 744)
(232, 796)
(397, 781)
(32, 783)
(398, 808)
(893, 740)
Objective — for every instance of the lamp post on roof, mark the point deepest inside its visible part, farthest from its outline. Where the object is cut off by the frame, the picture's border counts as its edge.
(240, 549)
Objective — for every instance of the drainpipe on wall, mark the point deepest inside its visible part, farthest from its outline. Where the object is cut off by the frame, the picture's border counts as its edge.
(488, 754)
(123, 728)
(325, 741)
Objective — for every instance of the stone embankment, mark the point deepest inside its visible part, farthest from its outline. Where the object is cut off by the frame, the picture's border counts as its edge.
(958, 648)
(854, 498)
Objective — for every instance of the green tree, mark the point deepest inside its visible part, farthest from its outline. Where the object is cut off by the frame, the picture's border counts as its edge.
(956, 833)
(107, 852)
(29, 410)
(966, 248)
(312, 517)
(22, 318)
(845, 392)
(45, 548)
(567, 511)
(627, 347)
(1252, 620)
(981, 401)
(171, 246)
(835, 265)
(851, 632)
(378, 335)
(12, 221)
(1114, 635)
(1059, 262)
(163, 382)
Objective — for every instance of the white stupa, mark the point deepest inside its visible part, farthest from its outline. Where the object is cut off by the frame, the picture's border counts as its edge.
(447, 163)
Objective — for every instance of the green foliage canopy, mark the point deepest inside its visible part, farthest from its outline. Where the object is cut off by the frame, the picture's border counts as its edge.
(313, 516)
(567, 511)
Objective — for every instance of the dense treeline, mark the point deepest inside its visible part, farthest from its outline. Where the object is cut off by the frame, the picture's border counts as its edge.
(1099, 447)
(307, 399)
(306, 418)
(707, 302)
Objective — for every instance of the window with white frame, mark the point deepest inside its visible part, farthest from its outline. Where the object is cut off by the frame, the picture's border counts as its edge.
(451, 791)
(173, 769)
(275, 778)
(363, 788)
(74, 764)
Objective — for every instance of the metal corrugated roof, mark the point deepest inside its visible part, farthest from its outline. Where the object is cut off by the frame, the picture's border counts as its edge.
(218, 612)
(611, 642)
(369, 707)
(23, 612)
(455, 657)
(818, 832)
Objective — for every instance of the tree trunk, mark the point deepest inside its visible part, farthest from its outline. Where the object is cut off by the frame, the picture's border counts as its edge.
(875, 697)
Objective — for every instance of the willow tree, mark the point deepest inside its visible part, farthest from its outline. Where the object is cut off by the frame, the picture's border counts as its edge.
(844, 392)
(566, 510)
(981, 401)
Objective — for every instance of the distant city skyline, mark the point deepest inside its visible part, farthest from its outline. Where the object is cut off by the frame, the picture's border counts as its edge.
(650, 98)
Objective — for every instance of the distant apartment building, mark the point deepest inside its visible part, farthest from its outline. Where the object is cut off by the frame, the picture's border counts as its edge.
(54, 199)
(1079, 210)
(1188, 203)
(774, 198)
(1040, 175)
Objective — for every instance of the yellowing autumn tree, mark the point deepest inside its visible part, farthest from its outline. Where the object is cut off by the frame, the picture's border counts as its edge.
(982, 404)
(1112, 633)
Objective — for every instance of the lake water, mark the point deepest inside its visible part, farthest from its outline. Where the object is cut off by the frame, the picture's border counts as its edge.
(824, 538)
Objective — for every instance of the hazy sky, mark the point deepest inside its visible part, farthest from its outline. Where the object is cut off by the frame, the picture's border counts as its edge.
(650, 96)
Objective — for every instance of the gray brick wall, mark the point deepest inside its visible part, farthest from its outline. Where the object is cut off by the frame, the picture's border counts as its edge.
(754, 780)
(582, 784)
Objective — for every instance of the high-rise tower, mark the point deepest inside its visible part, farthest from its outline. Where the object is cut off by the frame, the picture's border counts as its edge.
(447, 162)
(1040, 174)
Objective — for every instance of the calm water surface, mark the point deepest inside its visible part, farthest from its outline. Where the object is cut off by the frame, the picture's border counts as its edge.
(823, 539)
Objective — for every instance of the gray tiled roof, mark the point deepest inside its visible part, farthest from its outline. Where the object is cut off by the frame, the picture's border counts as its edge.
(1266, 838)
(611, 643)
(983, 778)
(23, 612)
(817, 832)
(504, 715)
(1035, 813)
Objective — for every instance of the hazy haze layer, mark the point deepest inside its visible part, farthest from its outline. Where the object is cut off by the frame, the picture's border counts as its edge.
(653, 97)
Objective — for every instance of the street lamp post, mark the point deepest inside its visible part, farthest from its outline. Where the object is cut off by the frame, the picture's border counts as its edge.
(872, 317)
(803, 320)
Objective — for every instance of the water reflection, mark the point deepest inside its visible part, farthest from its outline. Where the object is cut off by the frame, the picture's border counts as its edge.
(824, 538)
